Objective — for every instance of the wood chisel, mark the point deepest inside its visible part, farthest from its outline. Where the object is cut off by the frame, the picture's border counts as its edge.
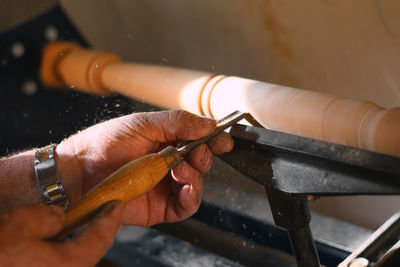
(136, 177)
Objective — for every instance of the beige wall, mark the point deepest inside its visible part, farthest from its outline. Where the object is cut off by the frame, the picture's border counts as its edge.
(14, 12)
(348, 48)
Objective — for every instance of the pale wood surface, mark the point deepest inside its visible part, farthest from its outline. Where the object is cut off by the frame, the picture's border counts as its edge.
(345, 48)
(306, 113)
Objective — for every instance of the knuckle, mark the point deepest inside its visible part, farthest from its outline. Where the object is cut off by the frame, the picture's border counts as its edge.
(207, 158)
(202, 159)
(176, 115)
(179, 113)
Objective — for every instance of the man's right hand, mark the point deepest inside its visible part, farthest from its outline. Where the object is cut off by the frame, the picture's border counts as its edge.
(26, 235)
(88, 157)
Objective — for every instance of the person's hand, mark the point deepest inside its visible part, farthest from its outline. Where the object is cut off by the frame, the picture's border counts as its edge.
(90, 156)
(27, 233)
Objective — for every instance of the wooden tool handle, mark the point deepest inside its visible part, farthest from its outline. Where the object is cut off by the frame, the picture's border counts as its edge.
(311, 114)
(127, 183)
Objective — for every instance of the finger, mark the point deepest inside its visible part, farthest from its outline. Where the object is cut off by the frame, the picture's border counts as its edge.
(200, 158)
(222, 143)
(170, 126)
(91, 243)
(38, 221)
(184, 174)
(187, 200)
(182, 205)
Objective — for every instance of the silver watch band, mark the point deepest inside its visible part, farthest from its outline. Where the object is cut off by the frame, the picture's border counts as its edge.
(47, 177)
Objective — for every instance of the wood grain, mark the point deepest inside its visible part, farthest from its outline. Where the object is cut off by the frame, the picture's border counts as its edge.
(311, 114)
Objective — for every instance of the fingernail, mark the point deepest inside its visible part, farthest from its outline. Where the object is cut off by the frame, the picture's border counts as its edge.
(190, 189)
(108, 208)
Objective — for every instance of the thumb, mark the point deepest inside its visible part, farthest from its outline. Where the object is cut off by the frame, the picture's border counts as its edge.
(170, 126)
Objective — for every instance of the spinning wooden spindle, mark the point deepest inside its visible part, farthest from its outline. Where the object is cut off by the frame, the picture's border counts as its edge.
(306, 113)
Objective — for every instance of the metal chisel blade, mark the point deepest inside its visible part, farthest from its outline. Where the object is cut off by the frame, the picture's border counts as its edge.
(222, 124)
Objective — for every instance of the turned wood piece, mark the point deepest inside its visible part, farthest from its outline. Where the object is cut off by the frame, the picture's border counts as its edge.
(311, 114)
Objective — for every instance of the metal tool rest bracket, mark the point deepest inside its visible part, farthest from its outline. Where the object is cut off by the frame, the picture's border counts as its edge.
(292, 168)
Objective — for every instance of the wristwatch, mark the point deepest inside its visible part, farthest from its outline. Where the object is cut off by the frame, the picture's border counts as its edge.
(48, 178)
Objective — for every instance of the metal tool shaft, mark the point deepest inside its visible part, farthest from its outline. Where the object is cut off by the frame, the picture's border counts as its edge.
(222, 124)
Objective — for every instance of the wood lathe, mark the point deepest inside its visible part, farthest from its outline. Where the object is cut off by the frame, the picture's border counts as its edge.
(289, 167)
(311, 114)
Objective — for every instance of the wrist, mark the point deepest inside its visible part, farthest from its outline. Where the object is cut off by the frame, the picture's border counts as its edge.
(69, 170)
(18, 186)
